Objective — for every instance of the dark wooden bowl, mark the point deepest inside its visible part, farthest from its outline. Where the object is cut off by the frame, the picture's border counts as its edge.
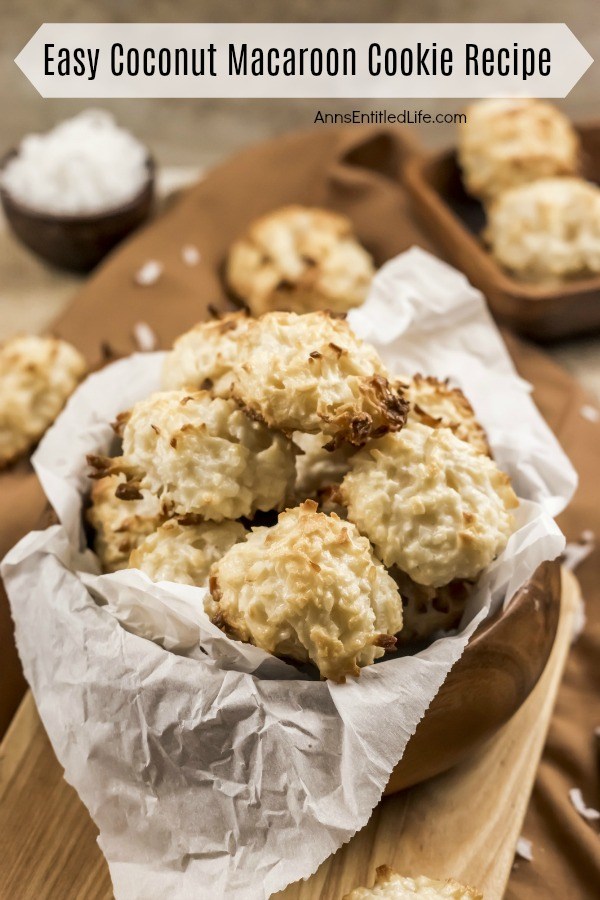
(498, 670)
(77, 242)
(455, 221)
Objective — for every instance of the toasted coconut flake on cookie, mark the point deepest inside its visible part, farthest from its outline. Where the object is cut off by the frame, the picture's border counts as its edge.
(37, 375)
(184, 553)
(389, 885)
(435, 403)
(308, 588)
(204, 357)
(311, 373)
(300, 259)
(120, 525)
(509, 142)
(202, 455)
(430, 504)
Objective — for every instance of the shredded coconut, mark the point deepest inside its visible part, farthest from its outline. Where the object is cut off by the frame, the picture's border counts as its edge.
(86, 164)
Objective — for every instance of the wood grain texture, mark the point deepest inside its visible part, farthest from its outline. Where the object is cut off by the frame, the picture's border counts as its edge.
(464, 823)
(455, 220)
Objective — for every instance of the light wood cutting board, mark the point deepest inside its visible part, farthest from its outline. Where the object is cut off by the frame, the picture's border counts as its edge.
(463, 824)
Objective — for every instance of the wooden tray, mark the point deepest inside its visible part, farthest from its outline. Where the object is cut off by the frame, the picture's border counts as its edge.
(455, 220)
(439, 828)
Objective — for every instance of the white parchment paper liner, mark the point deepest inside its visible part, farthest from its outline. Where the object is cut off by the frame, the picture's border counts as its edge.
(211, 769)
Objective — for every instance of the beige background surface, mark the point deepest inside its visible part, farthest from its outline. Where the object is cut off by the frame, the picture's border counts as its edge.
(196, 134)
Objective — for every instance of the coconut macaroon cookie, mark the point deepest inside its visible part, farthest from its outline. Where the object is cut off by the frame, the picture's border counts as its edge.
(430, 504)
(300, 259)
(433, 402)
(308, 588)
(311, 373)
(184, 553)
(204, 357)
(201, 455)
(505, 143)
(389, 885)
(548, 229)
(120, 525)
(37, 375)
(318, 469)
(428, 610)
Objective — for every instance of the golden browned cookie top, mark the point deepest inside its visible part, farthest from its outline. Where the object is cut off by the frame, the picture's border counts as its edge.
(508, 142)
(308, 588)
(37, 375)
(389, 885)
(299, 259)
(547, 230)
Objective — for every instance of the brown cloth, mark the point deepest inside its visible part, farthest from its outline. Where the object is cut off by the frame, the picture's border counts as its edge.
(357, 171)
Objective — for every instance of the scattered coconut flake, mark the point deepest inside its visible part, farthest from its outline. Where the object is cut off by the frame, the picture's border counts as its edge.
(586, 812)
(149, 273)
(190, 255)
(590, 413)
(524, 849)
(145, 338)
(84, 165)
(587, 536)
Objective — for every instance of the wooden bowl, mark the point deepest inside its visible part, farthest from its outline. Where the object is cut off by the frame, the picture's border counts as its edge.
(498, 670)
(77, 242)
(455, 221)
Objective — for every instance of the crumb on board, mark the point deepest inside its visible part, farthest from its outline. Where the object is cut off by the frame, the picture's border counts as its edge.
(144, 337)
(524, 849)
(190, 255)
(149, 273)
(590, 413)
(576, 552)
(586, 812)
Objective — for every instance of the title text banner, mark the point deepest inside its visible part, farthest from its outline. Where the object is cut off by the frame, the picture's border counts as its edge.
(300, 60)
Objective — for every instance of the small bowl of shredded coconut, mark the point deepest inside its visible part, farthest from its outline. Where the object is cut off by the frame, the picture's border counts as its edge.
(73, 193)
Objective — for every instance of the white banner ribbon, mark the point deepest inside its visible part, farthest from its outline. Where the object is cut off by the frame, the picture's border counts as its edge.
(303, 60)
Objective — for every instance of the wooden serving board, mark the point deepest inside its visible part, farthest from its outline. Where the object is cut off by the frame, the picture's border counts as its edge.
(463, 824)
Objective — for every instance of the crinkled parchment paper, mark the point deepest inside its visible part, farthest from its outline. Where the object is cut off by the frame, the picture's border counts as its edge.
(211, 769)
